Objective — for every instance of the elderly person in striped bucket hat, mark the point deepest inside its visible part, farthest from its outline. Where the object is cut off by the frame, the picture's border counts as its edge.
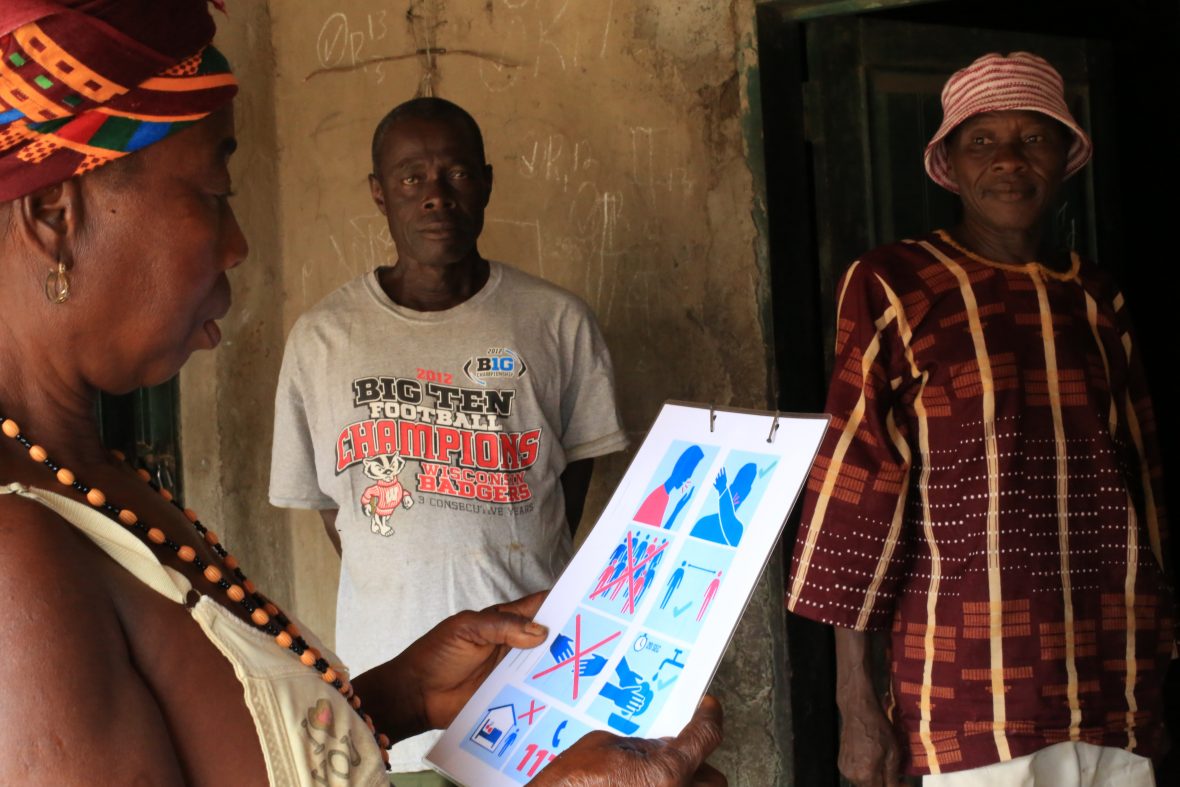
(989, 491)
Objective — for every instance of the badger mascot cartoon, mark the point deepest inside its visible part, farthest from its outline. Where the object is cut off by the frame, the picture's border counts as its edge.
(381, 500)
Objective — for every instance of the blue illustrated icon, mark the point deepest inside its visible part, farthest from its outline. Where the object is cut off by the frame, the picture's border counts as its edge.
(676, 478)
(576, 657)
(498, 725)
(630, 572)
(556, 740)
(631, 699)
(691, 589)
(548, 738)
(737, 490)
(508, 718)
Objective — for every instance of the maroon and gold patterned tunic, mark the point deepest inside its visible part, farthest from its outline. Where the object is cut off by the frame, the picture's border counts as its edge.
(989, 489)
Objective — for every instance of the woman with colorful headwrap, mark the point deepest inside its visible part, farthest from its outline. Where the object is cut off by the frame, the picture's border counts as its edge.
(136, 648)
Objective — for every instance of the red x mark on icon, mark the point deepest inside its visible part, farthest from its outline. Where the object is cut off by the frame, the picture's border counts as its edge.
(629, 574)
(576, 659)
(532, 711)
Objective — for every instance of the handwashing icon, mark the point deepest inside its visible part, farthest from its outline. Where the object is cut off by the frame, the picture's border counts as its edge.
(631, 696)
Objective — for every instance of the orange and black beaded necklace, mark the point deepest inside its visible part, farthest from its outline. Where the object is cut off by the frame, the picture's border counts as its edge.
(263, 612)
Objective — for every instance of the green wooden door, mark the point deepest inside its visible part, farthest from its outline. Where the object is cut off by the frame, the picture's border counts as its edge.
(143, 425)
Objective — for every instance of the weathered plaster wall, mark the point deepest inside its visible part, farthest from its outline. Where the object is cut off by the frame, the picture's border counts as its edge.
(620, 132)
(227, 397)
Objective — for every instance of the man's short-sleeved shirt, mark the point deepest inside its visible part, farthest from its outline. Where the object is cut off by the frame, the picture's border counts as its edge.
(441, 438)
(989, 489)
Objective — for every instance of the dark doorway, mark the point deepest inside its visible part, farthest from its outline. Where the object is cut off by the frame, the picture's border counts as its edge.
(850, 98)
(143, 426)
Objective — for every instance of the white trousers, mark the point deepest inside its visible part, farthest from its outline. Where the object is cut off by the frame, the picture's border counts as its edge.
(1069, 764)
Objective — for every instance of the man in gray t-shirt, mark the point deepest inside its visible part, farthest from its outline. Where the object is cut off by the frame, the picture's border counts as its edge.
(442, 414)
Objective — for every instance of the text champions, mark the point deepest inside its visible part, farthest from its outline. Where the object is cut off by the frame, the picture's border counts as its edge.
(455, 433)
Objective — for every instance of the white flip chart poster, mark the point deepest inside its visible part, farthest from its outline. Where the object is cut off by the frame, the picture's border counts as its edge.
(643, 614)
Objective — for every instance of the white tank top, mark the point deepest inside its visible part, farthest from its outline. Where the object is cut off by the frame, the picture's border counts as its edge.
(309, 735)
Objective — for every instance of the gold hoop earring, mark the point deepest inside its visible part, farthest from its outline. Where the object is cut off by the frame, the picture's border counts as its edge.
(57, 284)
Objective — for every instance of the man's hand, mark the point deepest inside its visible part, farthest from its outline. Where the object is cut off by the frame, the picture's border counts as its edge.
(426, 685)
(603, 760)
(869, 754)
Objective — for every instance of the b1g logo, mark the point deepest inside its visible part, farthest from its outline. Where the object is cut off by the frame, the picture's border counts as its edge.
(500, 362)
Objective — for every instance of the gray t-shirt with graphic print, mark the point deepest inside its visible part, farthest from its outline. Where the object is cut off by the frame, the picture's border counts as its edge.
(441, 438)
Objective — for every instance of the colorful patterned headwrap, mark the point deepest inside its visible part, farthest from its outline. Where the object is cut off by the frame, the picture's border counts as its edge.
(995, 83)
(84, 82)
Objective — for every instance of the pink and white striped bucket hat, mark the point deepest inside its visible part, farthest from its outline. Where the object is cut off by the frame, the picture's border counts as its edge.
(998, 82)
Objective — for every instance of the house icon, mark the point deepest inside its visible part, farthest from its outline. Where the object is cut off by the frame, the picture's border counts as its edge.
(498, 725)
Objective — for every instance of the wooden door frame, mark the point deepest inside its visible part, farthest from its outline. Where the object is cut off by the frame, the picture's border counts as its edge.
(803, 10)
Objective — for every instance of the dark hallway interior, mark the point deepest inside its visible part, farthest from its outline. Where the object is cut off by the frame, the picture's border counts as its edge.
(1134, 200)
